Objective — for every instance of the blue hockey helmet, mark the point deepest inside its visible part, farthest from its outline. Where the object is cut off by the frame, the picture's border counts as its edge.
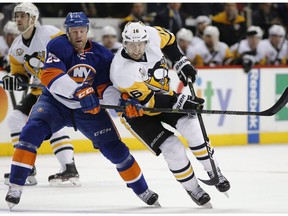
(75, 19)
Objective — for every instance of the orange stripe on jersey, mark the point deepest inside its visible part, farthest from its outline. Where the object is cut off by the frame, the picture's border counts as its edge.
(101, 88)
(24, 157)
(78, 79)
(132, 173)
(49, 74)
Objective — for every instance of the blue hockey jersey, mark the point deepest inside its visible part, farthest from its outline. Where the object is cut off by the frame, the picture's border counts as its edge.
(65, 69)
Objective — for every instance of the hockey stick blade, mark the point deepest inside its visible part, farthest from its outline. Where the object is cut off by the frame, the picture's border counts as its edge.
(282, 101)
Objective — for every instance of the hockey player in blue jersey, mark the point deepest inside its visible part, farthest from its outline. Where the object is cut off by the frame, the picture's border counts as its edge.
(76, 76)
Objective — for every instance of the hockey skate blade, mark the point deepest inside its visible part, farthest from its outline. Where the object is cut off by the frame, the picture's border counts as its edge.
(207, 205)
(60, 183)
(10, 205)
(157, 204)
(226, 194)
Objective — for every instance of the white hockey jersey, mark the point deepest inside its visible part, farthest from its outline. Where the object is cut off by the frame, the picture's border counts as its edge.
(4, 49)
(200, 55)
(146, 76)
(273, 56)
(30, 59)
(243, 48)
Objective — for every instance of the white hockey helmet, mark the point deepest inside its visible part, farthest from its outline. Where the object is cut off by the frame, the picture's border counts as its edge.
(184, 34)
(135, 32)
(255, 31)
(28, 8)
(11, 28)
(212, 31)
(277, 30)
(109, 30)
(203, 19)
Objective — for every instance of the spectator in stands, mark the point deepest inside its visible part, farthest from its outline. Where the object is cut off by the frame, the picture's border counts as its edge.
(186, 42)
(89, 9)
(265, 16)
(109, 39)
(283, 14)
(275, 47)
(212, 52)
(201, 23)
(170, 18)
(246, 52)
(184, 39)
(7, 11)
(137, 14)
(10, 33)
(231, 25)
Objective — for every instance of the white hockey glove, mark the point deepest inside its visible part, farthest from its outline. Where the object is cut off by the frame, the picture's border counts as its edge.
(184, 69)
(188, 102)
(15, 83)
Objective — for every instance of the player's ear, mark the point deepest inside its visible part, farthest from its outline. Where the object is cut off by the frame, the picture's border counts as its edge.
(33, 20)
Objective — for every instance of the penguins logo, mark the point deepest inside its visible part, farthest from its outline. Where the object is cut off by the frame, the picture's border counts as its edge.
(158, 78)
(35, 62)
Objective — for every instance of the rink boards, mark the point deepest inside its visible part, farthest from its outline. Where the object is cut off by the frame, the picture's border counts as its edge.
(223, 89)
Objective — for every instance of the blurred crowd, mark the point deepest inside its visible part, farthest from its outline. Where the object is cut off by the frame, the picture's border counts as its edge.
(209, 34)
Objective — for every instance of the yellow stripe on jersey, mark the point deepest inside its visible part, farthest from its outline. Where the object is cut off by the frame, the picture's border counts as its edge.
(228, 54)
(56, 35)
(167, 38)
(36, 91)
(198, 60)
(16, 66)
(140, 91)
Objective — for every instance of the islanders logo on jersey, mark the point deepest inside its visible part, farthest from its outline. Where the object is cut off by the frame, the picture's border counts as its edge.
(82, 72)
(158, 79)
(34, 63)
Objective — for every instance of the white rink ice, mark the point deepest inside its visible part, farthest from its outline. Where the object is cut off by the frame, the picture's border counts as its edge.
(258, 176)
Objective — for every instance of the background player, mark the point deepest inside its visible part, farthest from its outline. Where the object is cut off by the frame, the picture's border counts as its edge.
(26, 56)
(139, 70)
(76, 77)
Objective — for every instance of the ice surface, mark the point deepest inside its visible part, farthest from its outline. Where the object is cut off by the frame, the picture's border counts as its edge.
(258, 176)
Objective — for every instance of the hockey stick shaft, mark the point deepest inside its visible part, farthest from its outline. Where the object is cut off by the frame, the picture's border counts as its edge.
(282, 101)
(215, 179)
(28, 85)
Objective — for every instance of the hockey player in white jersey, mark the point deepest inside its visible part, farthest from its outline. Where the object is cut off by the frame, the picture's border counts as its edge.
(275, 47)
(26, 57)
(212, 52)
(109, 39)
(246, 52)
(10, 33)
(140, 72)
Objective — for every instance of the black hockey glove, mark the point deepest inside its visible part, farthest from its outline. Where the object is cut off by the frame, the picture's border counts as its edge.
(15, 83)
(188, 102)
(184, 69)
(247, 64)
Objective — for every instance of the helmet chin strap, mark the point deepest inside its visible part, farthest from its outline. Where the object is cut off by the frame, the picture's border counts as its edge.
(29, 27)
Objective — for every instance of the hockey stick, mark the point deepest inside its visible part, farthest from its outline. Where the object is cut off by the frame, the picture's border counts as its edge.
(215, 179)
(282, 101)
(13, 100)
(27, 85)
